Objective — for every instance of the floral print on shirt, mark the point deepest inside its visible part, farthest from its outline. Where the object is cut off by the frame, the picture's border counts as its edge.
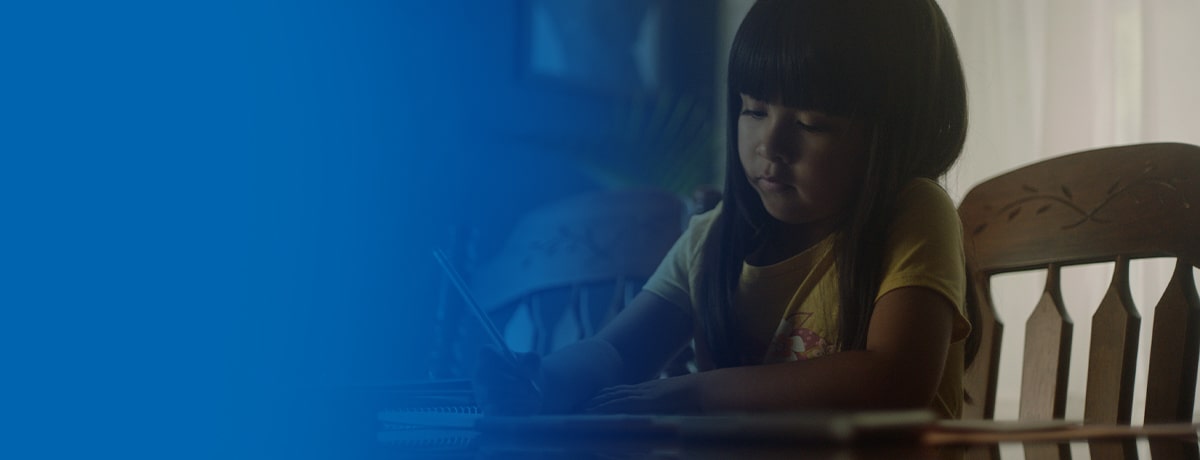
(794, 342)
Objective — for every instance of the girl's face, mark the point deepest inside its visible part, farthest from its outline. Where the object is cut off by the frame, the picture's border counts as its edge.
(806, 165)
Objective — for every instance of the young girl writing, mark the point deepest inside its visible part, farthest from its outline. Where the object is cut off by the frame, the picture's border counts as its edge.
(832, 275)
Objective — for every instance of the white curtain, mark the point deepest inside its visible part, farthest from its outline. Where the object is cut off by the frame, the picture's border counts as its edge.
(1049, 77)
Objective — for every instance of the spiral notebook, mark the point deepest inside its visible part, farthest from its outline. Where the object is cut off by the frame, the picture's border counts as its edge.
(428, 416)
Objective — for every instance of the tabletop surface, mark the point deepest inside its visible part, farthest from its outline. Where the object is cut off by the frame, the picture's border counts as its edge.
(469, 444)
(396, 438)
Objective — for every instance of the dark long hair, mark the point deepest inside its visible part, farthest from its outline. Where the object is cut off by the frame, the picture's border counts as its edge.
(891, 65)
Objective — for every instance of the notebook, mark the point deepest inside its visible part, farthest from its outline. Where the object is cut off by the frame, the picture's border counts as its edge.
(445, 396)
(832, 427)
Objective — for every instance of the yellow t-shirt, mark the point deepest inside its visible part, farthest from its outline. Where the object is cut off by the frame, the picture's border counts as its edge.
(791, 306)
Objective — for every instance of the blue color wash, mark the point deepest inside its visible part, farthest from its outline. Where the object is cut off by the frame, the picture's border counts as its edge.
(214, 212)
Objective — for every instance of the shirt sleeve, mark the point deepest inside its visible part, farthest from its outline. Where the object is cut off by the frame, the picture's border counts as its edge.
(925, 249)
(674, 278)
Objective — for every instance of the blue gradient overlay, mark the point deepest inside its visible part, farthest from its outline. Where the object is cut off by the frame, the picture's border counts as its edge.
(218, 214)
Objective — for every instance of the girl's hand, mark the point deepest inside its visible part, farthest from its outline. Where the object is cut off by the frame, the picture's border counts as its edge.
(661, 396)
(502, 390)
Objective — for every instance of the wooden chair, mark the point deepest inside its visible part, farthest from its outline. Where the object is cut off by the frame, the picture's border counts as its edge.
(571, 266)
(1111, 204)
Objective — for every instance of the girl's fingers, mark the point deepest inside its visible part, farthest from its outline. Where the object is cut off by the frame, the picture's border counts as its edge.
(615, 389)
(617, 392)
(503, 388)
(607, 407)
(620, 398)
(600, 400)
(492, 369)
(530, 363)
(627, 405)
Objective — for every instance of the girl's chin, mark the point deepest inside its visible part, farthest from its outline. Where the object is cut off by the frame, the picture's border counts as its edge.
(790, 213)
(787, 215)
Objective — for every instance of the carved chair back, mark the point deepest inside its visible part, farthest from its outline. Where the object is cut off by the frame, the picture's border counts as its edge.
(570, 266)
(1111, 204)
(1106, 205)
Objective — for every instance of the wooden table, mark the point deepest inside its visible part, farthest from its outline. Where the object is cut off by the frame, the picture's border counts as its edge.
(476, 446)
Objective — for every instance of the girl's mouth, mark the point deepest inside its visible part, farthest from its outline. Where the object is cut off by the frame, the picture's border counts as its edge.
(773, 184)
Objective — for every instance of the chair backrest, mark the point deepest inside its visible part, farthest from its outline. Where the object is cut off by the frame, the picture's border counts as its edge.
(1111, 204)
(570, 266)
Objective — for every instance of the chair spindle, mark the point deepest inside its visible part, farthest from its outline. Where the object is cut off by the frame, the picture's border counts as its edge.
(1044, 375)
(1113, 353)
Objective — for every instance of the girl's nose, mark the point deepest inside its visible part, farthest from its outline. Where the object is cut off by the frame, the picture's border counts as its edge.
(774, 144)
(767, 153)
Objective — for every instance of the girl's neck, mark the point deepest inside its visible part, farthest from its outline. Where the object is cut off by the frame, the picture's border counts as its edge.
(783, 241)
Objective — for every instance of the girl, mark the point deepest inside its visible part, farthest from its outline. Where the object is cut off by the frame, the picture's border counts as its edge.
(832, 274)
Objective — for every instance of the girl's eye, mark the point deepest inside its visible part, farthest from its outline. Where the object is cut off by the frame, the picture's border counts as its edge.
(755, 114)
(814, 127)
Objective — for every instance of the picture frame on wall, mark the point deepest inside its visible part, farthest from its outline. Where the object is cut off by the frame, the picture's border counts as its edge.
(603, 46)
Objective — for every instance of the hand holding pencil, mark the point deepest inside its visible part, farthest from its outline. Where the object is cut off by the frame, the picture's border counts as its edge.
(505, 382)
(502, 389)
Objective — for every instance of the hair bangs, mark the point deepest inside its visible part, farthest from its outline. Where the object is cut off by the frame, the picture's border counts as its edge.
(780, 53)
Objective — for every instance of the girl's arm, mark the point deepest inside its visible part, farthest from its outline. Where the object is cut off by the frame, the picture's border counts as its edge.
(901, 367)
(647, 334)
(632, 348)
